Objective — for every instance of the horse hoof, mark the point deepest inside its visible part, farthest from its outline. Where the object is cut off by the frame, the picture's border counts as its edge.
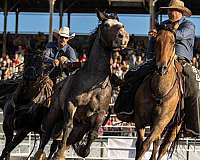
(40, 155)
(84, 152)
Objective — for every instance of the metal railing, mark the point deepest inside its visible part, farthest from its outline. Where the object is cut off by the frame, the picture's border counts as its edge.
(187, 149)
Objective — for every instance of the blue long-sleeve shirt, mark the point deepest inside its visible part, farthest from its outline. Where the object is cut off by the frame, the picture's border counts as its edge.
(185, 36)
(69, 53)
(52, 53)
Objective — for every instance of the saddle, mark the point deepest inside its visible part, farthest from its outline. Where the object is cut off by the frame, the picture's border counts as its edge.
(123, 106)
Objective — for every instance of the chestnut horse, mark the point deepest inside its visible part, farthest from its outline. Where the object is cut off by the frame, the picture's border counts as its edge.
(157, 98)
(82, 100)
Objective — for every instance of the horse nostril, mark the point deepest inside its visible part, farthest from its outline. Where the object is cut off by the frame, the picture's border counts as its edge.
(158, 67)
(162, 69)
(120, 35)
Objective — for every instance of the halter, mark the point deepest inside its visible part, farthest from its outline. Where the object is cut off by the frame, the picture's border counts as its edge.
(102, 41)
(174, 52)
(163, 98)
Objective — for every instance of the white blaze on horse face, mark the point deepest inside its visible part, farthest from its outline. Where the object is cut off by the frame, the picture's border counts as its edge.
(113, 22)
(121, 38)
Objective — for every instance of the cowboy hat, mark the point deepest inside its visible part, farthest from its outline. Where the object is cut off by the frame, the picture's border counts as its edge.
(64, 32)
(179, 5)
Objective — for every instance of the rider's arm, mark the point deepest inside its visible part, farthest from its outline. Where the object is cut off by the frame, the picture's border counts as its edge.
(71, 54)
(185, 31)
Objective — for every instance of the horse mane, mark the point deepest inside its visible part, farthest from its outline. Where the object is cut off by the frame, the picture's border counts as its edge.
(33, 64)
(92, 38)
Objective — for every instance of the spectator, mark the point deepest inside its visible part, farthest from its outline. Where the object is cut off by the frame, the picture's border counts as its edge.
(16, 59)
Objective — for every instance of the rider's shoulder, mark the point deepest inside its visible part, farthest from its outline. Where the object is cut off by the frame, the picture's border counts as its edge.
(51, 45)
(187, 22)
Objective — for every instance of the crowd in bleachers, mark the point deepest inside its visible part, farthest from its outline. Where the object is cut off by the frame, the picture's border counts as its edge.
(11, 63)
(19, 45)
(10, 67)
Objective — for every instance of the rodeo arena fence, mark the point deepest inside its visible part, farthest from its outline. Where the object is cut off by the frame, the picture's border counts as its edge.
(115, 142)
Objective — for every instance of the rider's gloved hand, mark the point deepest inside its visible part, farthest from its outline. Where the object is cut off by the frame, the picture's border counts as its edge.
(63, 59)
(153, 33)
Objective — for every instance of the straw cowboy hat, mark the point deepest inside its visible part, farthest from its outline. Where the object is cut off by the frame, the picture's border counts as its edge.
(179, 5)
(64, 32)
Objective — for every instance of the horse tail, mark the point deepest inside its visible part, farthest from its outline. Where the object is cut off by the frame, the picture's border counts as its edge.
(3, 100)
(108, 116)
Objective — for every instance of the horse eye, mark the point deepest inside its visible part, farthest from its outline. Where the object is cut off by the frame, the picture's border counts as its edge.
(172, 42)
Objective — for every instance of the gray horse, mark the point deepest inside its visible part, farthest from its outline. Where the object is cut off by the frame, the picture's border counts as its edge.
(82, 100)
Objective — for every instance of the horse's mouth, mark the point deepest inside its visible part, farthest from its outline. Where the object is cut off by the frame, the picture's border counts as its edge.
(119, 47)
(123, 46)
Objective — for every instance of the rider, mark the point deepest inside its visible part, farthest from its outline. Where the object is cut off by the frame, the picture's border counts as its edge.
(185, 35)
(58, 54)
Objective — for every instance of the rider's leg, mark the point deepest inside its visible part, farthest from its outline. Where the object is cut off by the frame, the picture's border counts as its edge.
(133, 78)
(192, 99)
(140, 71)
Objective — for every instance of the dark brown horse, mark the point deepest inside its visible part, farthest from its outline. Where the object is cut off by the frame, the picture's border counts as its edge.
(157, 98)
(25, 107)
(83, 98)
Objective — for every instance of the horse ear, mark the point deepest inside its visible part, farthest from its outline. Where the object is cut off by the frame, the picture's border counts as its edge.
(101, 16)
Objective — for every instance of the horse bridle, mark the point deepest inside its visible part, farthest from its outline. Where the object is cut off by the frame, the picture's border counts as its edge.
(174, 52)
(102, 40)
(171, 59)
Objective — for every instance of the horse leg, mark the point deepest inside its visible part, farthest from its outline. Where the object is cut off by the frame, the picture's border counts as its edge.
(44, 139)
(9, 136)
(76, 137)
(95, 122)
(69, 111)
(155, 149)
(53, 148)
(19, 137)
(169, 138)
(154, 135)
(139, 141)
(77, 134)
(47, 127)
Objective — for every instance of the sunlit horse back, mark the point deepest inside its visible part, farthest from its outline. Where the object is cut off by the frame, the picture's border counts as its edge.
(84, 97)
(157, 98)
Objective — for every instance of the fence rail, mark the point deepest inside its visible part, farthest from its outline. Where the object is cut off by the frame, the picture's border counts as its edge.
(103, 147)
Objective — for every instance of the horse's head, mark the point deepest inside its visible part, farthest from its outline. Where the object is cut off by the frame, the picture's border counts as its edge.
(164, 50)
(33, 65)
(112, 32)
